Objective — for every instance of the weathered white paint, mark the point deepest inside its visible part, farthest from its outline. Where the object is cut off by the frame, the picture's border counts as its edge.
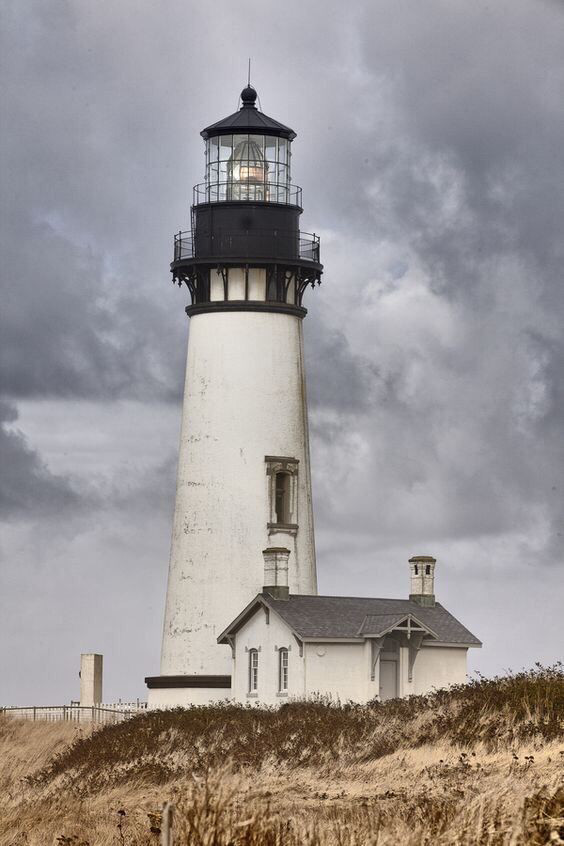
(276, 567)
(338, 671)
(244, 399)
(185, 696)
(439, 666)
(91, 672)
(422, 575)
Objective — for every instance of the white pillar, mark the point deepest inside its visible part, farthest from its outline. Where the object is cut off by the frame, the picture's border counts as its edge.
(91, 670)
(244, 409)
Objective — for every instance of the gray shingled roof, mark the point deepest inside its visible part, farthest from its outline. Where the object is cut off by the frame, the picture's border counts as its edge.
(345, 616)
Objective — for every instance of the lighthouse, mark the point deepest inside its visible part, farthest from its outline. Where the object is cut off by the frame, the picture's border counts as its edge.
(243, 492)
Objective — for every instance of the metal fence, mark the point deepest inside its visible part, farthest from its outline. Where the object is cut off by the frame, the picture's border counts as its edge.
(74, 713)
(255, 244)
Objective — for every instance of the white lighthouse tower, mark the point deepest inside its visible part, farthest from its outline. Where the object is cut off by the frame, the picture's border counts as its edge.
(244, 470)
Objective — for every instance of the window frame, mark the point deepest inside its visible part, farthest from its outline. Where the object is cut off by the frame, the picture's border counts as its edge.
(253, 671)
(283, 669)
(282, 494)
(276, 465)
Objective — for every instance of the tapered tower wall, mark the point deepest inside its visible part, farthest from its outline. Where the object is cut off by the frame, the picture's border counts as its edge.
(244, 401)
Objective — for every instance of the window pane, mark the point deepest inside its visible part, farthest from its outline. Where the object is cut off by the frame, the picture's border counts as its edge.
(270, 148)
(282, 487)
(253, 670)
(213, 172)
(225, 147)
(283, 670)
(258, 144)
(237, 161)
(282, 150)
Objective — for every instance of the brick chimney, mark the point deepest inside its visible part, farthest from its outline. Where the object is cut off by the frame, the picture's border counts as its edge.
(423, 580)
(276, 571)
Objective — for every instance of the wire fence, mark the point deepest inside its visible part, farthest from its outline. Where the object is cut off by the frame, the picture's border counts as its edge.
(76, 713)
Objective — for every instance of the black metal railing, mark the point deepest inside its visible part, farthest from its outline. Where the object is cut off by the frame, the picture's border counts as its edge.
(248, 191)
(249, 244)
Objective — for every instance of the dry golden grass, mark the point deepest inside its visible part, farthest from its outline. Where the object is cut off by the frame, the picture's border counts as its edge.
(480, 765)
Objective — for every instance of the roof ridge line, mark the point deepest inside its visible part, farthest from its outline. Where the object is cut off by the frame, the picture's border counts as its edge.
(368, 598)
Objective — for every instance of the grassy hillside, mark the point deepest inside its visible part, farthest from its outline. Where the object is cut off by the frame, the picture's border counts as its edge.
(480, 764)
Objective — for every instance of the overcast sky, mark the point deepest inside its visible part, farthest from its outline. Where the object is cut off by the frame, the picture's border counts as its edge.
(431, 153)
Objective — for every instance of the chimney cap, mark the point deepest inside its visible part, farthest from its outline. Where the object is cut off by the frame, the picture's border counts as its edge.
(276, 549)
(422, 558)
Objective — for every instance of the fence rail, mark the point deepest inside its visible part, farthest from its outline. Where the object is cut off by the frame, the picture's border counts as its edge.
(255, 243)
(247, 190)
(73, 713)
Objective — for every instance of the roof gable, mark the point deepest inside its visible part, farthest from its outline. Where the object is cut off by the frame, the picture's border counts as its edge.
(249, 611)
(377, 625)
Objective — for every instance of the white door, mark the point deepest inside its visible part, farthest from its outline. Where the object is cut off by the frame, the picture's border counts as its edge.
(388, 680)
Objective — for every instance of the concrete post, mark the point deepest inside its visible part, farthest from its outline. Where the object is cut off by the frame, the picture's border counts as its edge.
(91, 668)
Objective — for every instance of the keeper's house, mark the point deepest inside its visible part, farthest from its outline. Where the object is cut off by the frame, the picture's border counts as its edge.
(345, 648)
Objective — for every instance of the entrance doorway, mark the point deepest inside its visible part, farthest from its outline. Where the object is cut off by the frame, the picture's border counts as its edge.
(388, 680)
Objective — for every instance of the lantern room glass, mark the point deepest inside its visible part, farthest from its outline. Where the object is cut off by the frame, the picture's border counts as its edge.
(248, 167)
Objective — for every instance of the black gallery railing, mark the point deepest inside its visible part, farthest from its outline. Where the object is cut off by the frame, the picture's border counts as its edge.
(248, 191)
(248, 244)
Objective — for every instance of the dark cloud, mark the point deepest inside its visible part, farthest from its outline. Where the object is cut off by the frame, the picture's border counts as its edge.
(27, 488)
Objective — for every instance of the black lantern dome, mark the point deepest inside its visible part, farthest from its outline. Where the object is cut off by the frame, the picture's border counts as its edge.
(248, 119)
(245, 250)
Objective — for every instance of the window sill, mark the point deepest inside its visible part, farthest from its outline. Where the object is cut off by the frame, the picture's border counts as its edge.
(252, 695)
(282, 528)
(282, 693)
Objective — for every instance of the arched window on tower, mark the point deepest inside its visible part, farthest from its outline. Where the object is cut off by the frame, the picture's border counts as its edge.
(282, 475)
(282, 497)
(283, 671)
(253, 670)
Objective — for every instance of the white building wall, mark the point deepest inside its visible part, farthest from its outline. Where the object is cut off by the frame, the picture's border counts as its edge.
(339, 671)
(256, 633)
(436, 667)
(244, 399)
(175, 697)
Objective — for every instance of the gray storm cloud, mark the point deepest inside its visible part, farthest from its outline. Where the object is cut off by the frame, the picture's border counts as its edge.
(430, 152)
